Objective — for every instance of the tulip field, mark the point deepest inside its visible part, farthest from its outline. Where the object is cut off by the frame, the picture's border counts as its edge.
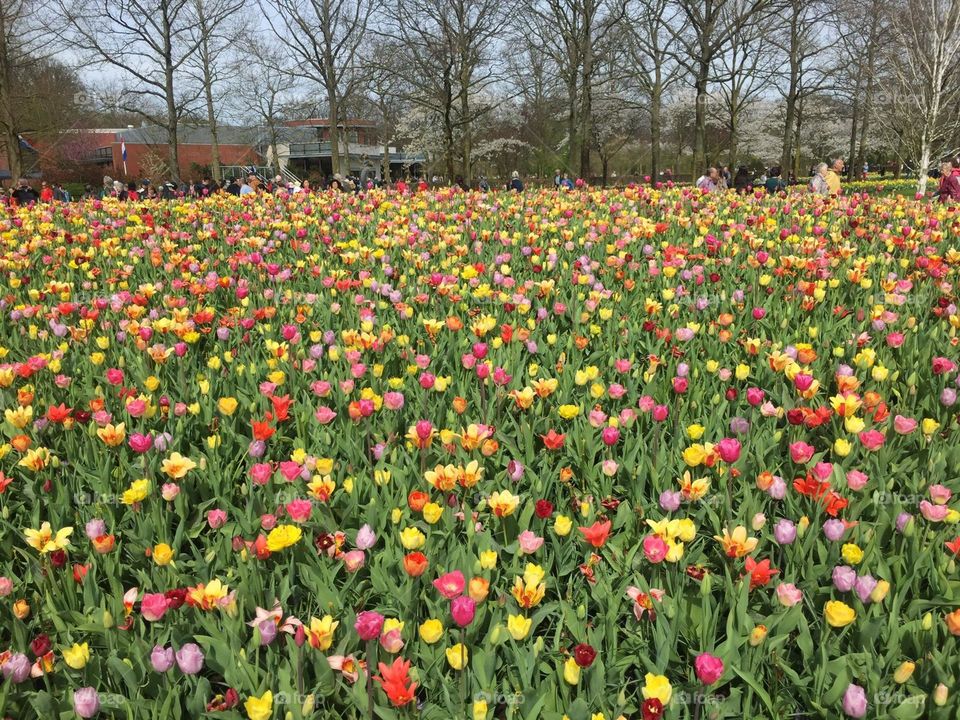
(635, 453)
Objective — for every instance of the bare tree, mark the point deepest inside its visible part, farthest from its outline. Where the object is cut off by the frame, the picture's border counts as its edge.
(571, 31)
(805, 42)
(217, 30)
(263, 88)
(926, 88)
(24, 36)
(447, 66)
(149, 42)
(323, 38)
(743, 72)
(649, 25)
(711, 24)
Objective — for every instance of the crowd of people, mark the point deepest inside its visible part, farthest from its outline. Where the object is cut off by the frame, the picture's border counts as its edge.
(825, 180)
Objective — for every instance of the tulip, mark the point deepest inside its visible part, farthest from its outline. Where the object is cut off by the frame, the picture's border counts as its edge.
(369, 624)
(709, 668)
(86, 702)
(162, 659)
(189, 659)
(463, 610)
(855, 701)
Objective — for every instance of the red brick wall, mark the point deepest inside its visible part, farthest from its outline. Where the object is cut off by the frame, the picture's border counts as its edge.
(144, 160)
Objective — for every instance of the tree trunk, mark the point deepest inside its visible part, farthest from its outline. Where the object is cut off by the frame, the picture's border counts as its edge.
(655, 131)
(925, 153)
(274, 152)
(10, 137)
(334, 132)
(571, 120)
(586, 81)
(791, 97)
(466, 143)
(173, 151)
(212, 120)
(700, 116)
(797, 144)
(386, 162)
(734, 128)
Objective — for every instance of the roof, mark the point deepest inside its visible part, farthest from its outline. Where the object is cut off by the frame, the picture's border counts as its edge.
(155, 135)
(325, 122)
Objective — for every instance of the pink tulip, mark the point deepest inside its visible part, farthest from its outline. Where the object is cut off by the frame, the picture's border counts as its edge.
(655, 548)
(529, 542)
(450, 585)
(463, 610)
(153, 606)
(709, 668)
(368, 625)
(729, 449)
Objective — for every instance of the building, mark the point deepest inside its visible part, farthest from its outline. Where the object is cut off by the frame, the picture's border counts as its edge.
(305, 150)
(148, 155)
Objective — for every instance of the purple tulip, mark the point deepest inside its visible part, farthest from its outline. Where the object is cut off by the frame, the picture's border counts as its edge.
(864, 586)
(784, 532)
(902, 520)
(268, 631)
(17, 668)
(834, 529)
(855, 701)
(86, 702)
(844, 578)
(161, 658)
(670, 500)
(95, 528)
(190, 659)
(948, 397)
(366, 538)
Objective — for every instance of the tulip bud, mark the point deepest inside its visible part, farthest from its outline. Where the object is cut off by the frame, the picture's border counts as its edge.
(904, 672)
(107, 619)
(538, 645)
(940, 695)
(308, 704)
(706, 584)
(479, 709)
(495, 634)
(927, 622)
(581, 611)
(802, 526)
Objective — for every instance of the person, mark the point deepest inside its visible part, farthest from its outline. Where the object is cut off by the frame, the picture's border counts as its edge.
(516, 184)
(483, 184)
(60, 194)
(233, 187)
(246, 188)
(168, 191)
(89, 193)
(775, 183)
(949, 189)
(253, 181)
(833, 176)
(24, 194)
(557, 179)
(725, 178)
(565, 182)
(107, 189)
(709, 181)
(46, 192)
(743, 180)
(423, 185)
(818, 183)
(132, 193)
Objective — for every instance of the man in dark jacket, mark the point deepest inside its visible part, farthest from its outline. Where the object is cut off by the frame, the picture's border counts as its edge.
(233, 187)
(24, 194)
